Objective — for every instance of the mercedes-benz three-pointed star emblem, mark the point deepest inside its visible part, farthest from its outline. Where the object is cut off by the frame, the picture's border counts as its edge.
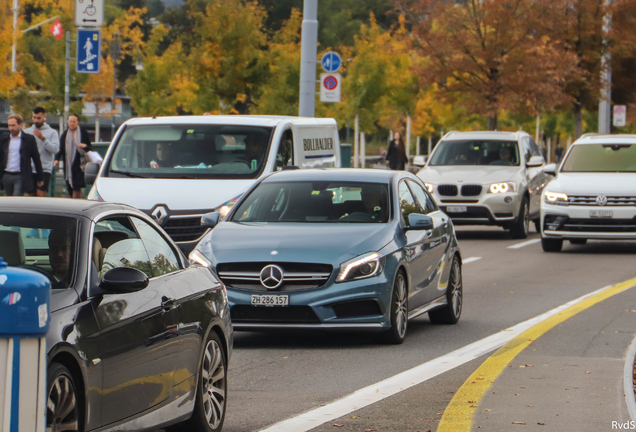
(160, 214)
(271, 276)
(601, 200)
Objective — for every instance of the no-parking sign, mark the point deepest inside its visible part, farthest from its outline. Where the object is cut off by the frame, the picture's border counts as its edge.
(620, 115)
(330, 84)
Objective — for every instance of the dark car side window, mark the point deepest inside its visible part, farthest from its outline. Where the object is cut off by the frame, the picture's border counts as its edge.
(407, 202)
(426, 202)
(162, 258)
(116, 244)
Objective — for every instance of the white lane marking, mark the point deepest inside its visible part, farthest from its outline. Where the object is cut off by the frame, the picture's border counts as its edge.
(526, 243)
(412, 377)
(471, 259)
(628, 380)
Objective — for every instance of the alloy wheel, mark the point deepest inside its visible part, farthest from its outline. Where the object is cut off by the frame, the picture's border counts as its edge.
(214, 384)
(61, 407)
(526, 219)
(401, 314)
(456, 285)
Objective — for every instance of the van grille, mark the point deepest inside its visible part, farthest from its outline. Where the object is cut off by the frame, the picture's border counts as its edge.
(184, 229)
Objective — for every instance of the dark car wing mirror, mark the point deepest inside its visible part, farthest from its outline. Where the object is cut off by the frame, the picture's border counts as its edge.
(90, 172)
(210, 220)
(420, 222)
(121, 280)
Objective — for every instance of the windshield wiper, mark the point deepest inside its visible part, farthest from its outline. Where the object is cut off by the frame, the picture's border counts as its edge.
(127, 174)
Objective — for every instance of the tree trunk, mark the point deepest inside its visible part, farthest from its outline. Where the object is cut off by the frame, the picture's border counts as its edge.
(578, 121)
(492, 123)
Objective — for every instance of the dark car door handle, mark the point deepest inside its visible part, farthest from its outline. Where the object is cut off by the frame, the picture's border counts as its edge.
(168, 303)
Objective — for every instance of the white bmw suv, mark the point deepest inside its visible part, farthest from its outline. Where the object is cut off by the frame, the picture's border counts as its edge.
(593, 195)
(487, 178)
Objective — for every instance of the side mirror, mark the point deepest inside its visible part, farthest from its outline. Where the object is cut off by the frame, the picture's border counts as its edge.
(210, 220)
(535, 161)
(121, 280)
(90, 172)
(419, 161)
(420, 222)
(550, 169)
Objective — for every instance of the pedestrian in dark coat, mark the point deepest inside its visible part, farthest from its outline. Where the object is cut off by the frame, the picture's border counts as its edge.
(74, 144)
(17, 151)
(396, 155)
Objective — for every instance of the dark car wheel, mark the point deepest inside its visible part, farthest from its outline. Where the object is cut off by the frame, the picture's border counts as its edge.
(519, 228)
(578, 241)
(62, 407)
(450, 313)
(551, 245)
(211, 398)
(399, 311)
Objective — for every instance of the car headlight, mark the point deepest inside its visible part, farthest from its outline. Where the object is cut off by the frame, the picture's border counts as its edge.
(555, 198)
(362, 267)
(196, 257)
(225, 208)
(503, 187)
(429, 187)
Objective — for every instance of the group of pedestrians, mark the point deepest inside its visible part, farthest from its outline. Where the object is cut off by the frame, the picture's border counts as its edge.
(27, 156)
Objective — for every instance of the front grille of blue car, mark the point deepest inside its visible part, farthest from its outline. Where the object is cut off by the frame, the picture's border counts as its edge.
(296, 276)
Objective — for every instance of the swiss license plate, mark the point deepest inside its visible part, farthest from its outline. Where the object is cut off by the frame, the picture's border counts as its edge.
(270, 300)
(601, 213)
(456, 209)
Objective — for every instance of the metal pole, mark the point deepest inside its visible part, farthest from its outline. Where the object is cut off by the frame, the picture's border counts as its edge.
(113, 104)
(536, 137)
(430, 145)
(308, 54)
(15, 33)
(67, 77)
(356, 141)
(604, 107)
(408, 137)
(363, 151)
(417, 150)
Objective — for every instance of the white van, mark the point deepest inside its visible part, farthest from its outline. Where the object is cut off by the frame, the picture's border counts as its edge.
(178, 168)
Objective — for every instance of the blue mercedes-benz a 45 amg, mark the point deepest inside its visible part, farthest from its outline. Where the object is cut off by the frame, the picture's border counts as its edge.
(336, 249)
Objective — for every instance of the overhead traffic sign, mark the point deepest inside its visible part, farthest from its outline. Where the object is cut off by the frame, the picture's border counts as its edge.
(89, 51)
(620, 115)
(330, 84)
(89, 13)
(331, 62)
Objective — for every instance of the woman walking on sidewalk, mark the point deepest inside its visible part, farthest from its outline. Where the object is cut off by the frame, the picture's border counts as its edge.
(74, 144)
(396, 155)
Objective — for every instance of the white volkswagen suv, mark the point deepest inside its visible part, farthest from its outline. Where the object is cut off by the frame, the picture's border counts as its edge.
(488, 178)
(593, 195)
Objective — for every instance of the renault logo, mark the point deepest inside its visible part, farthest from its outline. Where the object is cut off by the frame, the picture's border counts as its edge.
(601, 200)
(160, 214)
(271, 276)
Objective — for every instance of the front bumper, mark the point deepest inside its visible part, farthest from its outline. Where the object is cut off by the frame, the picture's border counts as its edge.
(355, 305)
(572, 222)
(485, 209)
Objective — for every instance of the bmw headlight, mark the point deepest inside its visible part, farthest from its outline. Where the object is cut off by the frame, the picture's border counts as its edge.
(225, 208)
(503, 187)
(361, 267)
(429, 187)
(555, 198)
(196, 257)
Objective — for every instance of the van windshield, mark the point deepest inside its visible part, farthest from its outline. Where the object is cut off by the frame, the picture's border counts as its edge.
(191, 151)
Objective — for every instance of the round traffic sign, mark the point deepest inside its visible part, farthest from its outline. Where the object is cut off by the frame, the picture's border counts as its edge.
(331, 62)
(330, 82)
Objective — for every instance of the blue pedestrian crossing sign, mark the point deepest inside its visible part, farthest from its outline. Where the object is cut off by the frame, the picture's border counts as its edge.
(331, 62)
(89, 51)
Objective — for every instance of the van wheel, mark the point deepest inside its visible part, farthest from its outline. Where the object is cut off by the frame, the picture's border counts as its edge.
(520, 227)
(551, 245)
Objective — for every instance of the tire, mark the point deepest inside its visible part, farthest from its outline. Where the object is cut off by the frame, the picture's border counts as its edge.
(537, 225)
(450, 313)
(578, 241)
(551, 245)
(63, 410)
(520, 228)
(399, 311)
(211, 398)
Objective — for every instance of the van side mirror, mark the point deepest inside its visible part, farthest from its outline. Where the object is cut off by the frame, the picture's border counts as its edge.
(419, 161)
(420, 222)
(90, 172)
(550, 169)
(122, 280)
(535, 161)
(210, 220)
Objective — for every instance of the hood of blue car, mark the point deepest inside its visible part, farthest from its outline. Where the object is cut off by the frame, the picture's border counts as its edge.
(294, 242)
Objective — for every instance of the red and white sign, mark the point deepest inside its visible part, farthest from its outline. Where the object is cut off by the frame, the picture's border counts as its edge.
(57, 30)
(330, 84)
(620, 115)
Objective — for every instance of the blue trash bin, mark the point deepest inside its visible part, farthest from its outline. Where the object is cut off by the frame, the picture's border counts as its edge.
(24, 322)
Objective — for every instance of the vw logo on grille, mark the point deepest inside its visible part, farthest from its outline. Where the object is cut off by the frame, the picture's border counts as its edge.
(160, 214)
(271, 276)
(601, 200)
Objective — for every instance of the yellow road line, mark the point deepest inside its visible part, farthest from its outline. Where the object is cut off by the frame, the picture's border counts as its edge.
(458, 416)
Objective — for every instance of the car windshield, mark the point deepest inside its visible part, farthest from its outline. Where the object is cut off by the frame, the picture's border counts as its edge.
(476, 152)
(42, 243)
(191, 151)
(601, 158)
(317, 202)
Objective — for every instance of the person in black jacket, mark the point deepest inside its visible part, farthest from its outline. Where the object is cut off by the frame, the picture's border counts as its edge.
(74, 144)
(17, 150)
(396, 155)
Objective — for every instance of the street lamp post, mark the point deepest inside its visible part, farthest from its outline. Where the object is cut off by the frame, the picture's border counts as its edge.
(605, 106)
(115, 55)
(308, 53)
(15, 34)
